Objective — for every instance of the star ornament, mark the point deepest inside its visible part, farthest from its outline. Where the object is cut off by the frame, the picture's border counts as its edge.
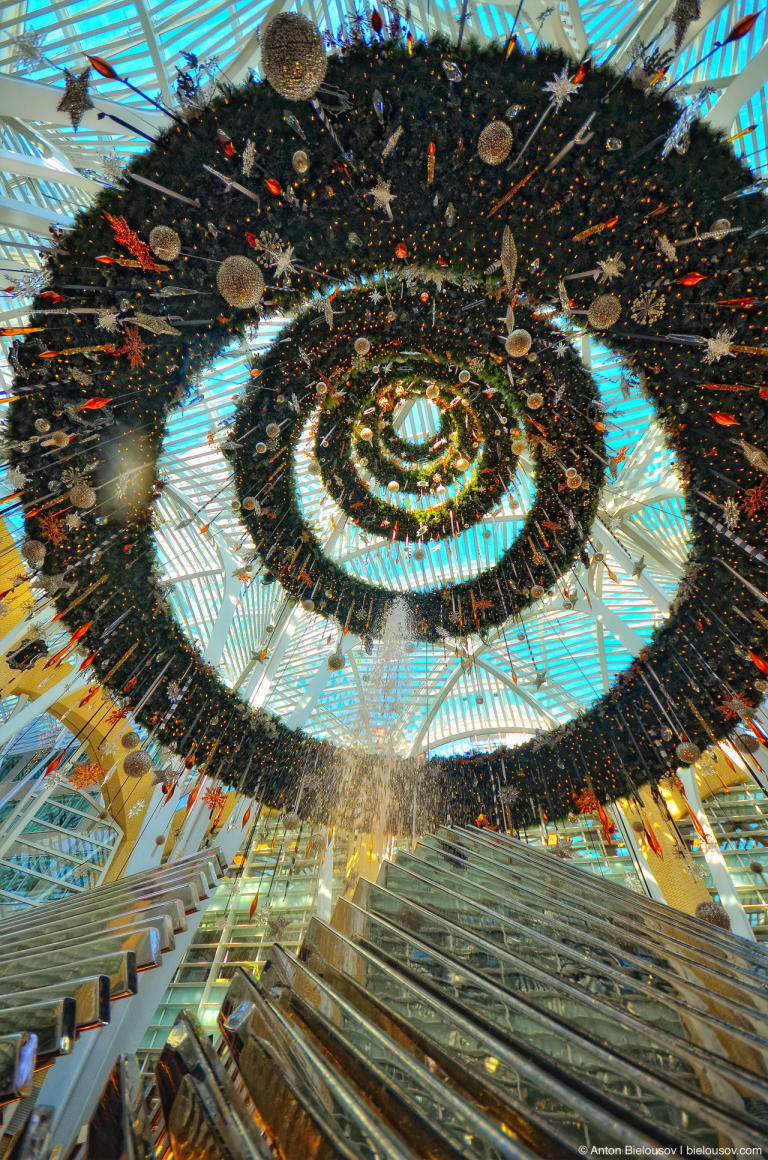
(561, 88)
(382, 196)
(76, 100)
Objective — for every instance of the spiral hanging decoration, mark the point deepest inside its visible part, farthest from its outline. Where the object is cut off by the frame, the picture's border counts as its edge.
(447, 210)
(313, 369)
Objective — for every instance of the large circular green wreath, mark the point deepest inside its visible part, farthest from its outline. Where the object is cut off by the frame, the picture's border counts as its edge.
(310, 356)
(397, 183)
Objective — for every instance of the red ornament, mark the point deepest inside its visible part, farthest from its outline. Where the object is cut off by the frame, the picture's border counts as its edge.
(376, 22)
(692, 279)
(94, 404)
(102, 66)
(759, 662)
(401, 250)
(742, 27)
(273, 185)
(724, 418)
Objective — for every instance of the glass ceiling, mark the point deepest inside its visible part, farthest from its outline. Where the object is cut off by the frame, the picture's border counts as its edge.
(467, 693)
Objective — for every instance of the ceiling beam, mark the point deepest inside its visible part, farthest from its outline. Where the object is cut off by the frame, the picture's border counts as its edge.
(36, 101)
(34, 219)
(15, 164)
(725, 110)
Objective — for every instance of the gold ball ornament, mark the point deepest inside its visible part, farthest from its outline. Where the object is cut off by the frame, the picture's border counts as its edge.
(366, 434)
(300, 162)
(240, 282)
(33, 552)
(494, 143)
(293, 57)
(746, 742)
(687, 753)
(419, 554)
(537, 591)
(164, 243)
(250, 503)
(393, 486)
(362, 345)
(720, 228)
(272, 430)
(433, 392)
(534, 401)
(604, 311)
(137, 763)
(81, 496)
(130, 740)
(464, 376)
(42, 426)
(307, 604)
(518, 344)
(714, 914)
(58, 439)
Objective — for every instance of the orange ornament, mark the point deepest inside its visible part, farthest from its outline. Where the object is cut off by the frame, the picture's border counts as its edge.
(401, 250)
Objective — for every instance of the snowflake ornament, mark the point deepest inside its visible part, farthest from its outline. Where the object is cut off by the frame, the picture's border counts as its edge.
(732, 513)
(648, 307)
(284, 262)
(665, 247)
(719, 346)
(561, 88)
(609, 268)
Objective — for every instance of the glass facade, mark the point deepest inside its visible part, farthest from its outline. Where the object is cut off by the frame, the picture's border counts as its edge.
(280, 879)
(738, 817)
(55, 840)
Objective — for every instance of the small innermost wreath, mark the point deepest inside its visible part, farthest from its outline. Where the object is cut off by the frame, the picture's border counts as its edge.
(549, 398)
(638, 231)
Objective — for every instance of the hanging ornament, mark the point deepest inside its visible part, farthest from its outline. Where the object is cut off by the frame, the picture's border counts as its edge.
(495, 142)
(336, 661)
(164, 243)
(714, 914)
(300, 162)
(362, 345)
(452, 72)
(687, 753)
(33, 552)
(293, 57)
(518, 343)
(81, 496)
(604, 311)
(240, 282)
(137, 763)
(76, 101)
(686, 11)
(431, 151)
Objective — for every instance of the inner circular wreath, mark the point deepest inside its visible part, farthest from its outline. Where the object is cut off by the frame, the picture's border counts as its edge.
(313, 370)
(121, 331)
